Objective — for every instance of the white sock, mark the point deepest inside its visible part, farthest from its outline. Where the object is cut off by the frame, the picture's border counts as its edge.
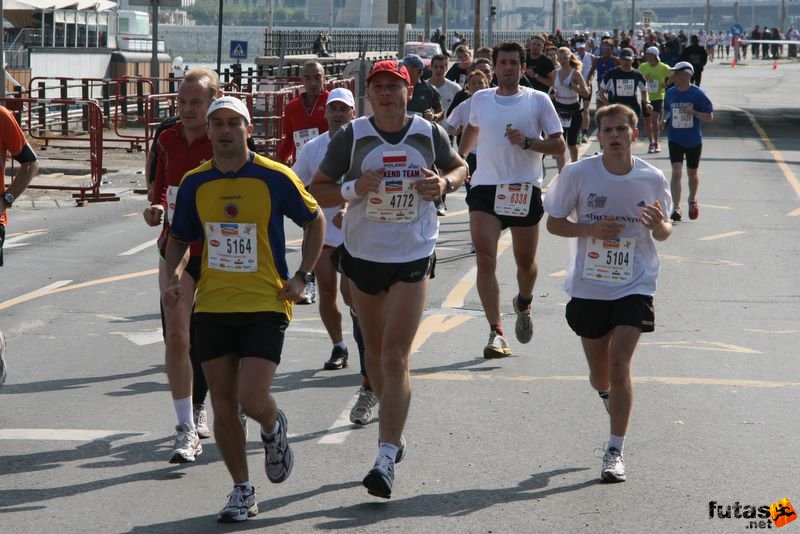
(341, 345)
(246, 485)
(184, 409)
(388, 450)
(274, 430)
(616, 442)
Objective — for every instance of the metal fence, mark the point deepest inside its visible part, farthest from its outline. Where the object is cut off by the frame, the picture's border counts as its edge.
(295, 42)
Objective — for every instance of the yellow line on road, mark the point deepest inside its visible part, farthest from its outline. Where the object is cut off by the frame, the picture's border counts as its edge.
(455, 299)
(721, 236)
(465, 376)
(27, 232)
(776, 154)
(38, 294)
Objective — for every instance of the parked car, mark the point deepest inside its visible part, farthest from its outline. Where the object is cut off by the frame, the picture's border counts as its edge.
(424, 50)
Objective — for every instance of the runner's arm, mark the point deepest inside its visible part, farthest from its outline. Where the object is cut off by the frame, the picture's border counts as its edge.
(313, 237)
(175, 263)
(28, 168)
(468, 139)
(603, 229)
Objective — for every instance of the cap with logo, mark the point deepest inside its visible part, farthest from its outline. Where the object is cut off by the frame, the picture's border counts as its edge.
(340, 94)
(392, 67)
(229, 102)
(626, 53)
(683, 66)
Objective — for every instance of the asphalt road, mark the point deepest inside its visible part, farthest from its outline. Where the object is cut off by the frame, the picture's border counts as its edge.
(494, 446)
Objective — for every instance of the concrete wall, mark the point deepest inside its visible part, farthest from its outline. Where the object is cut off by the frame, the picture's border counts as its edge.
(200, 42)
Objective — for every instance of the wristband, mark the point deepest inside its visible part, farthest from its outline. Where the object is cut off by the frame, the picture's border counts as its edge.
(349, 191)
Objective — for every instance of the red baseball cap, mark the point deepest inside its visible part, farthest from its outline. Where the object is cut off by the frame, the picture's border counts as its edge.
(391, 66)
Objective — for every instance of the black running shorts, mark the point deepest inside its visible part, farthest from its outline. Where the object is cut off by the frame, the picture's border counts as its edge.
(373, 278)
(481, 198)
(594, 319)
(255, 335)
(677, 153)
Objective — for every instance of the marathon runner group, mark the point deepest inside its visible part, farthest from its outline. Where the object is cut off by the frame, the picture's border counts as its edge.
(368, 192)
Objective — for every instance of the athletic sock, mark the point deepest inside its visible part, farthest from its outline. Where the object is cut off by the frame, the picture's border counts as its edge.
(270, 435)
(184, 409)
(388, 450)
(247, 486)
(496, 328)
(341, 345)
(616, 442)
(603, 394)
(524, 303)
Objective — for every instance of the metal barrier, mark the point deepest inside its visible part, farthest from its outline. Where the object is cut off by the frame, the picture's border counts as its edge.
(119, 109)
(81, 119)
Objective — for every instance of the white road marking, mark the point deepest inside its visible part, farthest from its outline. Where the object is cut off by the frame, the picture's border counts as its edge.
(147, 337)
(60, 434)
(337, 437)
(139, 248)
(16, 240)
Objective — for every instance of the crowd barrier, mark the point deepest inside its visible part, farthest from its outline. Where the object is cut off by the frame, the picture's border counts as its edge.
(79, 121)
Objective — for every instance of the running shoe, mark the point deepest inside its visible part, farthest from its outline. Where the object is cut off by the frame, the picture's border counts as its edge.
(656, 147)
(338, 359)
(310, 294)
(201, 421)
(361, 413)
(380, 478)
(651, 148)
(584, 138)
(401, 450)
(613, 466)
(676, 215)
(694, 210)
(279, 459)
(497, 347)
(187, 445)
(523, 328)
(441, 210)
(243, 421)
(604, 396)
(3, 367)
(241, 505)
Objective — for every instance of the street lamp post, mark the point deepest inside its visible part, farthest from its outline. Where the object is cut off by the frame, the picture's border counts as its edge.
(633, 15)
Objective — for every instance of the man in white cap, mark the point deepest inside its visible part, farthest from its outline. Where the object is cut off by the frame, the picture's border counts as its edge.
(686, 107)
(656, 75)
(245, 293)
(339, 111)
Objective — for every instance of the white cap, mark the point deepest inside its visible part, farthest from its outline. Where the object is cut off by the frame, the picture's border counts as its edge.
(683, 66)
(652, 50)
(580, 44)
(229, 102)
(340, 94)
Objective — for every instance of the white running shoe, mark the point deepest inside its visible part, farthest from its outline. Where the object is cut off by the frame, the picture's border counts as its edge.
(241, 505)
(361, 413)
(613, 466)
(243, 420)
(187, 445)
(279, 458)
(523, 328)
(310, 294)
(201, 421)
(497, 347)
(380, 479)
(3, 367)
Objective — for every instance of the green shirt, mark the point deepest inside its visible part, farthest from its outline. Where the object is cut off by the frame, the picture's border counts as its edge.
(655, 75)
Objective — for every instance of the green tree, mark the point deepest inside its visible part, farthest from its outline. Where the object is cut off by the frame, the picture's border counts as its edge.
(587, 16)
(620, 17)
(603, 19)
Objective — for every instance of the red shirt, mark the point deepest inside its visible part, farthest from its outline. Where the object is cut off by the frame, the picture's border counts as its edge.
(176, 157)
(12, 140)
(296, 119)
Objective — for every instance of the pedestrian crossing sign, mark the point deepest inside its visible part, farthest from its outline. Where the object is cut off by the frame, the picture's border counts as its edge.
(239, 49)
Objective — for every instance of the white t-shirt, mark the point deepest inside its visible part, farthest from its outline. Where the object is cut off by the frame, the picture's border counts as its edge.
(446, 92)
(459, 118)
(500, 162)
(585, 192)
(305, 166)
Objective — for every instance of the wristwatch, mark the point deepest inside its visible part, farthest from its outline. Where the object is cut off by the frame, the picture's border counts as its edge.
(307, 276)
(9, 198)
(528, 143)
(450, 188)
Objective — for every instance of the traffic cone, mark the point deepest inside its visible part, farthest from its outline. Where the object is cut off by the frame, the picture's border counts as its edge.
(733, 63)
(774, 65)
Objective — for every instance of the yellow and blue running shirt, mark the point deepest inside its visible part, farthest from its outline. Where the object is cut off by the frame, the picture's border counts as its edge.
(239, 218)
